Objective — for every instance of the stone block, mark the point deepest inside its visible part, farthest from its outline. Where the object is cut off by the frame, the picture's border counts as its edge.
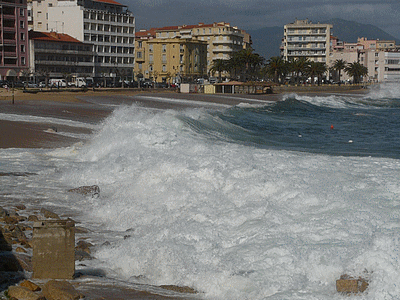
(60, 290)
(54, 249)
(348, 284)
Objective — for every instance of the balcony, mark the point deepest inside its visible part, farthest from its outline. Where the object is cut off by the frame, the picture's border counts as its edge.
(219, 42)
(225, 50)
(10, 54)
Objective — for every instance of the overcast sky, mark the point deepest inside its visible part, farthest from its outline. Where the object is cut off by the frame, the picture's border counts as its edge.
(255, 14)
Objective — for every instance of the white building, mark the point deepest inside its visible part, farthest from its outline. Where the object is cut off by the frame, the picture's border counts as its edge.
(105, 23)
(305, 39)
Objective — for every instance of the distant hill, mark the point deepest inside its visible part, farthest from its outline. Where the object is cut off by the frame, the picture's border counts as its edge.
(267, 40)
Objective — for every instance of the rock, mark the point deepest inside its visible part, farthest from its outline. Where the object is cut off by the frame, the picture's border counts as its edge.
(18, 234)
(10, 220)
(49, 214)
(3, 212)
(23, 293)
(60, 290)
(30, 285)
(20, 207)
(92, 190)
(179, 289)
(24, 262)
(79, 229)
(84, 246)
(82, 255)
(9, 263)
(33, 218)
(349, 284)
(20, 250)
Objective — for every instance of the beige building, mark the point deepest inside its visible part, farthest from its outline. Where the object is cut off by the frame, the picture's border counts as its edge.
(305, 39)
(381, 58)
(169, 59)
(221, 39)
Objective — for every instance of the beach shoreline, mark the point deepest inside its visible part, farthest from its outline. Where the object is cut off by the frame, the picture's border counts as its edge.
(94, 106)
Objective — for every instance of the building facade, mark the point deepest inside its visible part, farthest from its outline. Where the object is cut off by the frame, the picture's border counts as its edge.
(221, 38)
(305, 39)
(58, 55)
(107, 24)
(381, 58)
(169, 59)
(14, 39)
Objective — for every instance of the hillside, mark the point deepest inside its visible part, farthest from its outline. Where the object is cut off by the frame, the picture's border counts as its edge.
(267, 40)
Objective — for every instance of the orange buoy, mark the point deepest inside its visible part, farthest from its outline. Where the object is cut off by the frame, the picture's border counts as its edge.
(331, 126)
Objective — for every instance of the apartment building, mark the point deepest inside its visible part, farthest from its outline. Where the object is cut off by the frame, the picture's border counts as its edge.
(382, 58)
(57, 55)
(169, 59)
(14, 54)
(305, 39)
(222, 39)
(106, 24)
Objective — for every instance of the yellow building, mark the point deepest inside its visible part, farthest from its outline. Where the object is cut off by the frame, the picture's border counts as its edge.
(169, 59)
(220, 39)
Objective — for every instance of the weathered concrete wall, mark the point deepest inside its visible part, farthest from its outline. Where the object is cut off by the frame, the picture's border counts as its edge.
(54, 249)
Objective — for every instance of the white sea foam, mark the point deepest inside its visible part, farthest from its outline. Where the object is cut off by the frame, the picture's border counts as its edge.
(231, 221)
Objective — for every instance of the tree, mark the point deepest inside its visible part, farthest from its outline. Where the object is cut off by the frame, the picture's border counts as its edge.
(316, 69)
(276, 67)
(356, 70)
(219, 65)
(338, 66)
(298, 66)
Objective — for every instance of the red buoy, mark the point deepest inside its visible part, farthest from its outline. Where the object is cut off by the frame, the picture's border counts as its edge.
(331, 126)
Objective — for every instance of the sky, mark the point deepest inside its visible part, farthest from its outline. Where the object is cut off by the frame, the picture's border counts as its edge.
(255, 14)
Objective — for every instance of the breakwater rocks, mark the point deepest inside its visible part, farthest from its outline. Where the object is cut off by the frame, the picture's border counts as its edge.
(16, 242)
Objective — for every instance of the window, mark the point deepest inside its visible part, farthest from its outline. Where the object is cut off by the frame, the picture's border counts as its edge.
(21, 12)
(139, 54)
(164, 68)
(21, 24)
(164, 48)
(151, 58)
(22, 48)
(23, 61)
(22, 36)
(140, 66)
(151, 48)
(164, 58)
(140, 45)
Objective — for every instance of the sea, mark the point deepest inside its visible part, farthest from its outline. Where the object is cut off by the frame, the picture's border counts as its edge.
(274, 200)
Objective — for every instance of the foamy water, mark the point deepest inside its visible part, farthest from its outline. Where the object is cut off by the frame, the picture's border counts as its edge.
(184, 203)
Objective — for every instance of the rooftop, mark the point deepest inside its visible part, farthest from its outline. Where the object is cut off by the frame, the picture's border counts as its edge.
(52, 37)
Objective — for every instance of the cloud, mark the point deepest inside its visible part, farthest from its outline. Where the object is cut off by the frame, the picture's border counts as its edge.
(253, 14)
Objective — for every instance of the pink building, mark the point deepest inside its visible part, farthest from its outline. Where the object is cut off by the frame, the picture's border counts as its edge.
(14, 54)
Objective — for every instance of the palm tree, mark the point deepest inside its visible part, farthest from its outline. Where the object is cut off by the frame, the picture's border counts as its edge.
(316, 69)
(338, 66)
(298, 66)
(356, 70)
(276, 67)
(219, 65)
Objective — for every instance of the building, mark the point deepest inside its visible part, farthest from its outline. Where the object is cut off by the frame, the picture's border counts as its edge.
(58, 55)
(381, 58)
(169, 59)
(107, 24)
(14, 39)
(221, 38)
(305, 39)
